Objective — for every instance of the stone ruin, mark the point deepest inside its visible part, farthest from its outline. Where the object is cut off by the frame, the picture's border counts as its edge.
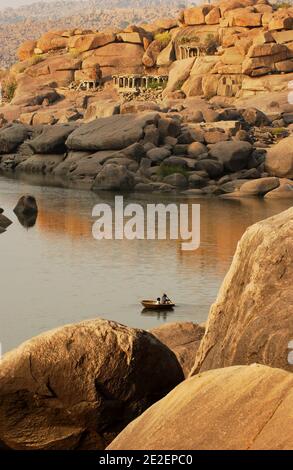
(186, 51)
(86, 85)
(133, 83)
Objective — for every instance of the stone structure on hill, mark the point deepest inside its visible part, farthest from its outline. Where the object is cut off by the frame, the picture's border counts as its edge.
(139, 82)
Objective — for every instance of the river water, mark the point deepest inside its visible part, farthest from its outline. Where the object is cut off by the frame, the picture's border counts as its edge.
(56, 272)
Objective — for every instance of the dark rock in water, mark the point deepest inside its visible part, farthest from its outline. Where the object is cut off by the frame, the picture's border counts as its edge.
(26, 206)
(4, 221)
(78, 386)
(1, 210)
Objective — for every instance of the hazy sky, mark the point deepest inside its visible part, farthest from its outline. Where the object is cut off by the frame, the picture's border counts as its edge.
(17, 3)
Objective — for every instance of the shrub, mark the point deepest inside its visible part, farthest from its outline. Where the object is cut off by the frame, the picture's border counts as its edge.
(187, 39)
(36, 59)
(155, 85)
(211, 44)
(166, 170)
(278, 131)
(163, 38)
(180, 84)
(9, 88)
(74, 53)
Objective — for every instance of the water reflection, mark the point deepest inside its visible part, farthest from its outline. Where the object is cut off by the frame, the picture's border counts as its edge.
(27, 221)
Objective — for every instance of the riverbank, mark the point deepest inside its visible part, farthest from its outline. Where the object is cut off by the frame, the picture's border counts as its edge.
(157, 152)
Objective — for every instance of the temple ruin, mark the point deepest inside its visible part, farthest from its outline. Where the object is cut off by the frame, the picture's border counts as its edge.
(86, 85)
(132, 83)
(189, 50)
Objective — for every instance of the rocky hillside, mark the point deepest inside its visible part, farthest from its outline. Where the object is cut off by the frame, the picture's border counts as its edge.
(244, 47)
(161, 138)
(30, 21)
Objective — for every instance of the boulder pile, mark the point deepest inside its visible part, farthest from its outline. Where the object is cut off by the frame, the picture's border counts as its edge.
(155, 151)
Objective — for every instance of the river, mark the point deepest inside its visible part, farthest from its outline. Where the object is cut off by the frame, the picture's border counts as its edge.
(56, 272)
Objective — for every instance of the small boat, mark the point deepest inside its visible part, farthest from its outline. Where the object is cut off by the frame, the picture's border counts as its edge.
(153, 305)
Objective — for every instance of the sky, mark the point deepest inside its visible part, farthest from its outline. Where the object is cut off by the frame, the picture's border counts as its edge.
(17, 3)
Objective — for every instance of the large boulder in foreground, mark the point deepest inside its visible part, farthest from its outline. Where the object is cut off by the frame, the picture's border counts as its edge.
(78, 386)
(252, 318)
(183, 338)
(279, 158)
(236, 408)
(111, 133)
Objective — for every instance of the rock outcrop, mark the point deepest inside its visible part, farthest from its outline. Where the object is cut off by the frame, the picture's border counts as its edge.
(183, 339)
(236, 408)
(112, 133)
(279, 159)
(252, 318)
(77, 386)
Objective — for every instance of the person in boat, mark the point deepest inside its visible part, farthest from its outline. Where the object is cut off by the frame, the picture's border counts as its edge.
(158, 301)
(165, 299)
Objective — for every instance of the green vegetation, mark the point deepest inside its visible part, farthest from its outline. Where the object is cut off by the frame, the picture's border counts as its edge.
(155, 85)
(36, 59)
(211, 44)
(74, 53)
(164, 38)
(180, 84)
(278, 131)
(187, 39)
(9, 88)
(166, 170)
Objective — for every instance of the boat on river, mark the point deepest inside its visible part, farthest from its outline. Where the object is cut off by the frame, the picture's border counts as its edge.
(153, 305)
